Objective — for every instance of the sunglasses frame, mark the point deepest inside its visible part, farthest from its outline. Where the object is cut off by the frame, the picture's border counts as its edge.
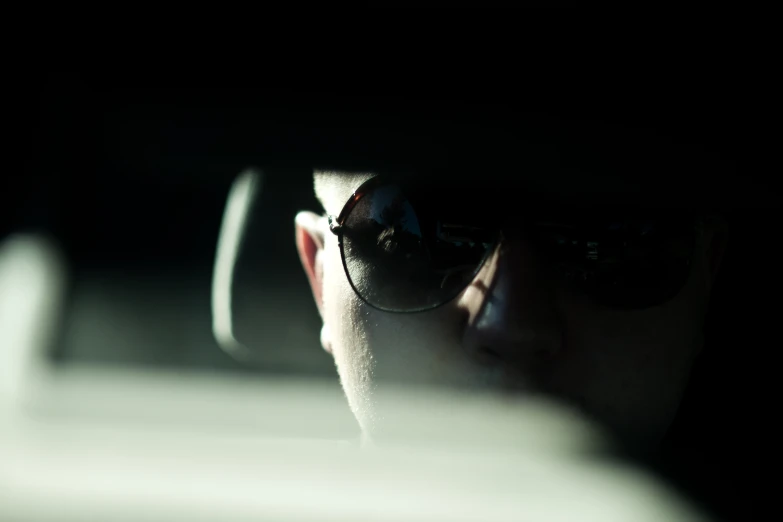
(337, 223)
(336, 226)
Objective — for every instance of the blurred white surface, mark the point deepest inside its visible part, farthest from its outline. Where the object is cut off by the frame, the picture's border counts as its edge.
(31, 286)
(81, 443)
(97, 445)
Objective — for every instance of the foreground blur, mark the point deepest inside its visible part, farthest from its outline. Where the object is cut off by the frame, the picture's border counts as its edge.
(92, 443)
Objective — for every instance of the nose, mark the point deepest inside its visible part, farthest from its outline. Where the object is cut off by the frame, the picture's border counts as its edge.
(511, 309)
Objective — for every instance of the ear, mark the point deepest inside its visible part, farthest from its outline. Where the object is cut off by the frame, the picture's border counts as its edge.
(310, 244)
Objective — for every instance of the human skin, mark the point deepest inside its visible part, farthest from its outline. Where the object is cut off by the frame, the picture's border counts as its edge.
(514, 331)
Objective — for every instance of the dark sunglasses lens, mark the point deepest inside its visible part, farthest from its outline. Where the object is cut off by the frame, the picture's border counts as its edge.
(629, 264)
(399, 259)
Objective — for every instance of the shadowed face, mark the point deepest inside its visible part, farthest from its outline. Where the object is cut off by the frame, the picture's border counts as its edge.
(599, 307)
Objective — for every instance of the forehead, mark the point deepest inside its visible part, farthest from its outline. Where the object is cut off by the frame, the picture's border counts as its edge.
(486, 187)
(589, 167)
(333, 188)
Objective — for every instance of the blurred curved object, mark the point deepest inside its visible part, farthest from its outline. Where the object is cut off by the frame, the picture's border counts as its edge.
(94, 443)
(32, 277)
(244, 191)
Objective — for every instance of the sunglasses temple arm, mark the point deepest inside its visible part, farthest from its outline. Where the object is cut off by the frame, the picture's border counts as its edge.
(334, 226)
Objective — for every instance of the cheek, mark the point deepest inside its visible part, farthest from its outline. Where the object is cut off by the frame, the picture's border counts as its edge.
(624, 348)
(634, 347)
(346, 336)
(372, 346)
(630, 367)
(657, 339)
(339, 306)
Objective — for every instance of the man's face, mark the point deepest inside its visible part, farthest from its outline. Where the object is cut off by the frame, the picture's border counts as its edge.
(511, 329)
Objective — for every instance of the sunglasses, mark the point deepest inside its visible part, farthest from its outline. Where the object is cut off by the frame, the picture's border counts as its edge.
(407, 248)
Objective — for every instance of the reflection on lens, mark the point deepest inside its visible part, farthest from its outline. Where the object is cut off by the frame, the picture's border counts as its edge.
(400, 259)
(631, 264)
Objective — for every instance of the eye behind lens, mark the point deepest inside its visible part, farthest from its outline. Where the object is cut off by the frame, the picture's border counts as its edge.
(399, 259)
(630, 264)
(404, 251)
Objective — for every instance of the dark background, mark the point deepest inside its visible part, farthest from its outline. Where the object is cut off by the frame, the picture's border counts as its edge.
(131, 181)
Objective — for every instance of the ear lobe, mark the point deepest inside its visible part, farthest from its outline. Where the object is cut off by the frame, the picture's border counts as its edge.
(310, 244)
